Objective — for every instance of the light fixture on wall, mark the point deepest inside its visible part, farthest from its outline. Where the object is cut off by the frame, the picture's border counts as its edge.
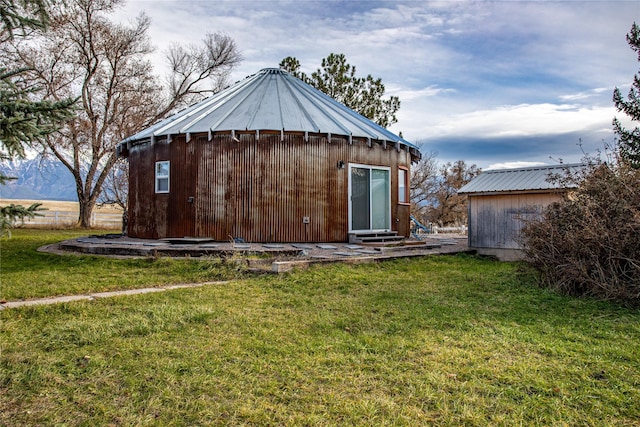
(341, 164)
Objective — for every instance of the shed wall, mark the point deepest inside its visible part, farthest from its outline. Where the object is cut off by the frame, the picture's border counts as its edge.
(256, 189)
(495, 221)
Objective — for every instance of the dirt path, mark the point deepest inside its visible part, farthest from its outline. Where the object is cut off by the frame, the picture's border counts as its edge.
(98, 295)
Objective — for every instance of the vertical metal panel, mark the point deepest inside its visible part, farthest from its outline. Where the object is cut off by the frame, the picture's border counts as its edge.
(495, 221)
(181, 212)
(259, 190)
(147, 210)
(158, 210)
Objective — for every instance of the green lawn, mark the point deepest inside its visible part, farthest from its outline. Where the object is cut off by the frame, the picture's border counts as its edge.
(30, 274)
(452, 340)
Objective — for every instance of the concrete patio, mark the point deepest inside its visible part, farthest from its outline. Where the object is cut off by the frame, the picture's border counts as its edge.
(276, 257)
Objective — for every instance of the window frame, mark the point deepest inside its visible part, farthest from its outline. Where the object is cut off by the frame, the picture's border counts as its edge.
(388, 197)
(162, 177)
(403, 186)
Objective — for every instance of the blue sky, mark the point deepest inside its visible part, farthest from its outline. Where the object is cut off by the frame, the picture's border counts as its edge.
(494, 83)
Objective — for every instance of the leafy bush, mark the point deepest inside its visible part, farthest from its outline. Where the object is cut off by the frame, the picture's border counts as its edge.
(589, 242)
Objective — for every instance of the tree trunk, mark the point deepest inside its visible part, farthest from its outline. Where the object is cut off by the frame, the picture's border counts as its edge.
(86, 212)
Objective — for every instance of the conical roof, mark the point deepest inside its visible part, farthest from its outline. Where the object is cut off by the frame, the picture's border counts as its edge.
(271, 99)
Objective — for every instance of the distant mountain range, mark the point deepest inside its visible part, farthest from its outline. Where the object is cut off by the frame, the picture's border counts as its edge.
(38, 179)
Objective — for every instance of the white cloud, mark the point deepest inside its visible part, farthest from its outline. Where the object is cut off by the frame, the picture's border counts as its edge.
(514, 165)
(524, 120)
(461, 69)
(580, 96)
(407, 94)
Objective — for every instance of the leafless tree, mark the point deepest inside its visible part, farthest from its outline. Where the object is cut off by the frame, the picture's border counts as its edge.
(190, 66)
(115, 191)
(424, 184)
(86, 56)
(450, 208)
(434, 190)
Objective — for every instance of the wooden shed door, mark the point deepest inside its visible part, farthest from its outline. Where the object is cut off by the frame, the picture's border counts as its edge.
(369, 198)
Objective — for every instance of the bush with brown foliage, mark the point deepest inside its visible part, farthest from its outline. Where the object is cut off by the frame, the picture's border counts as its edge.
(588, 244)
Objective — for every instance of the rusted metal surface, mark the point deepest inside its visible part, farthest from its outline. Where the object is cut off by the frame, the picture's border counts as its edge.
(258, 186)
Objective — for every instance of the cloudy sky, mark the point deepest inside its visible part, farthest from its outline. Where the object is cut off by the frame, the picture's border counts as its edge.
(491, 82)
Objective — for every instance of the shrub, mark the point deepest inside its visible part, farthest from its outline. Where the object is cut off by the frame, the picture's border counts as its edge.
(588, 244)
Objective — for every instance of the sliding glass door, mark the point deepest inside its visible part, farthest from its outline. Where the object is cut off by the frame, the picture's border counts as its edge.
(369, 198)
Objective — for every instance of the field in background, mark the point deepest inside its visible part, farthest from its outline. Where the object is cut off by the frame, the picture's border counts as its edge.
(57, 205)
(65, 214)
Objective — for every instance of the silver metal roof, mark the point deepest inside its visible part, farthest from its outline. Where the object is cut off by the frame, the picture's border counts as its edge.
(521, 179)
(271, 99)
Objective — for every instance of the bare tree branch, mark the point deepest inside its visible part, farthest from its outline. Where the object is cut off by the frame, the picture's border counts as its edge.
(84, 55)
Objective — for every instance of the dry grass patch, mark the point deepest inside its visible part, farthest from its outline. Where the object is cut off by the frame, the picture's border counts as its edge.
(58, 205)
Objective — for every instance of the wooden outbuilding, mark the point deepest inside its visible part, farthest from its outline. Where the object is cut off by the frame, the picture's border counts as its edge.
(501, 201)
(270, 159)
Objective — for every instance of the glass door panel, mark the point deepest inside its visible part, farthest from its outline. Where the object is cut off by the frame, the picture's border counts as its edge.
(370, 198)
(360, 198)
(380, 203)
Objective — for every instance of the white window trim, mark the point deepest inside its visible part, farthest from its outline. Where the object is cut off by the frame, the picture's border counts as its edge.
(350, 208)
(163, 177)
(403, 187)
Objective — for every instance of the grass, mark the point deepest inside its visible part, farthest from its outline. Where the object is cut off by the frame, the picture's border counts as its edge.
(27, 273)
(444, 341)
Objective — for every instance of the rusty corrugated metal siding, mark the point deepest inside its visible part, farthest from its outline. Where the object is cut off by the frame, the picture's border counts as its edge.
(256, 189)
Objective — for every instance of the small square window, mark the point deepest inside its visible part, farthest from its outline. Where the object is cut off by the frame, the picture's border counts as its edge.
(162, 177)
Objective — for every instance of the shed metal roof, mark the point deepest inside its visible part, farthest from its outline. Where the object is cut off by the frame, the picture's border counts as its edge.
(521, 179)
(271, 99)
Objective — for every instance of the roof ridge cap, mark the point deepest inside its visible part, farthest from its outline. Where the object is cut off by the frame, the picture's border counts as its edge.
(539, 167)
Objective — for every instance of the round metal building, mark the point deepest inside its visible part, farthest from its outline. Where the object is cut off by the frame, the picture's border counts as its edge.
(270, 159)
